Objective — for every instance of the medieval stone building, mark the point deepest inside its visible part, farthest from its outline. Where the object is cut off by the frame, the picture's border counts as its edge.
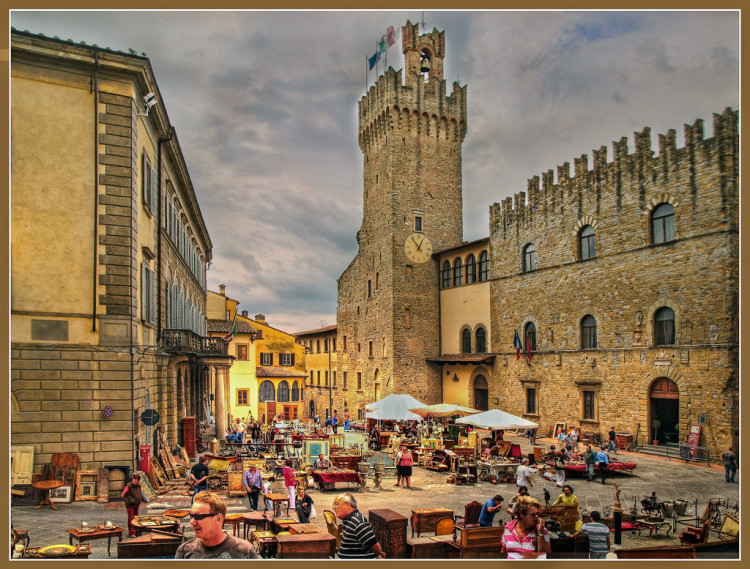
(621, 281)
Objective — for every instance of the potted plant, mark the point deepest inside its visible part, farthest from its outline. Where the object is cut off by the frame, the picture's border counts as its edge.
(656, 423)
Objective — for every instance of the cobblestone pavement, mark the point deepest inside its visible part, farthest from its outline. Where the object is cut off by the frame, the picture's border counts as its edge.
(669, 479)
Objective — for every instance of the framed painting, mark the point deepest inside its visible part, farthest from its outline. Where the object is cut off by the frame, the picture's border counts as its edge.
(730, 527)
(62, 495)
(312, 448)
(87, 482)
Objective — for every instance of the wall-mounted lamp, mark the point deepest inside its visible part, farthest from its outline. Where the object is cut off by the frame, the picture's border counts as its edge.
(149, 100)
(455, 377)
(162, 358)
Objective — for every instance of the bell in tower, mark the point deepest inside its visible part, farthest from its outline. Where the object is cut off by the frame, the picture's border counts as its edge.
(424, 66)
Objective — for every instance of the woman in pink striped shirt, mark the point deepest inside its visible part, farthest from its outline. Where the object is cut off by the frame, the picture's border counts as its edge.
(521, 535)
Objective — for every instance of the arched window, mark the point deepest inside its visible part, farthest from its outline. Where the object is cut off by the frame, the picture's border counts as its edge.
(266, 392)
(588, 332)
(295, 391)
(586, 243)
(529, 258)
(484, 266)
(466, 341)
(458, 272)
(447, 274)
(481, 341)
(471, 269)
(529, 335)
(662, 224)
(664, 327)
(283, 391)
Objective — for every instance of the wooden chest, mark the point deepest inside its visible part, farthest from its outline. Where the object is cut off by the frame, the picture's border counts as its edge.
(390, 529)
(317, 545)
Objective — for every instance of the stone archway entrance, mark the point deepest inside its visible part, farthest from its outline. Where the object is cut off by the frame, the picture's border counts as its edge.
(481, 393)
(664, 403)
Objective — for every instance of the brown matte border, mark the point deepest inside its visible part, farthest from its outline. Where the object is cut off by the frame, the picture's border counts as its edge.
(343, 5)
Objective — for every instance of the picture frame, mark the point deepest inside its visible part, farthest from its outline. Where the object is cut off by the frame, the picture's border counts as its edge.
(61, 495)
(559, 425)
(87, 483)
(730, 527)
(312, 448)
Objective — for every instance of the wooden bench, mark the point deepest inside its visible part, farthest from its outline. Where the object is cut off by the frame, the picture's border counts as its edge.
(477, 543)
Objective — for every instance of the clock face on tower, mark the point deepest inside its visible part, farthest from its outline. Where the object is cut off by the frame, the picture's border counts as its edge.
(418, 247)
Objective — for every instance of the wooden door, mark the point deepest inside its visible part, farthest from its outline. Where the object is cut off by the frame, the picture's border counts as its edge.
(22, 460)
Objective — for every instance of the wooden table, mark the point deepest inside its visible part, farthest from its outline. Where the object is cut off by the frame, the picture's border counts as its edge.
(304, 528)
(425, 519)
(47, 485)
(282, 524)
(98, 533)
(254, 519)
(316, 545)
(140, 525)
(655, 526)
(277, 499)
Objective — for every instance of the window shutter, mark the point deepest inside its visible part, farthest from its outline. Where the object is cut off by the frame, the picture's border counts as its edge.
(145, 170)
(152, 297)
(144, 292)
(154, 194)
(291, 361)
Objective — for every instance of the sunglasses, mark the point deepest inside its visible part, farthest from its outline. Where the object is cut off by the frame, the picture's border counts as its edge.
(200, 517)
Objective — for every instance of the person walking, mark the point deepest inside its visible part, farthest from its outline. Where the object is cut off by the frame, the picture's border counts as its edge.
(290, 480)
(603, 460)
(730, 465)
(199, 476)
(525, 536)
(523, 475)
(612, 440)
(531, 433)
(210, 542)
(598, 536)
(589, 457)
(335, 423)
(304, 506)
(568, 441)
(346, 419)
(132, 497)
(252, 481)
(489, 509)
(358, 540)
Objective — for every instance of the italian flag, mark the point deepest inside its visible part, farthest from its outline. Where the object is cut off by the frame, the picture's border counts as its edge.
(232, 331)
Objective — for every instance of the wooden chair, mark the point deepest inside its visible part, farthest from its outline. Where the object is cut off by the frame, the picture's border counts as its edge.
(333, 527)
(444, 526)
(695, 534)
(470, 519)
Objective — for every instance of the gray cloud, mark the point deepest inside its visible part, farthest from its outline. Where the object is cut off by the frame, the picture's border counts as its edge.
(265, 106)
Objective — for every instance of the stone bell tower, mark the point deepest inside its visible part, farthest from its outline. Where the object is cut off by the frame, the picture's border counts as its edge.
(410, 134)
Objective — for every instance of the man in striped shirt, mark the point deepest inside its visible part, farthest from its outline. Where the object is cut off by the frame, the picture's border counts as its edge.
(358, 541)
(598, 536)
(521, 536)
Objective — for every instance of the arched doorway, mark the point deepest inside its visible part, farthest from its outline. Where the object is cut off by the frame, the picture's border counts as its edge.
(664, 399)
(312, 409)
(481, 393)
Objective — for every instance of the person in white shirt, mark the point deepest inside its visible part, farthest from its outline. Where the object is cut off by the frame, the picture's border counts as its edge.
(523, 475)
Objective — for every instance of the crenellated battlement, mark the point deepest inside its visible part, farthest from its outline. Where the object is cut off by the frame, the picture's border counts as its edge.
(406, 100)
(642, 166)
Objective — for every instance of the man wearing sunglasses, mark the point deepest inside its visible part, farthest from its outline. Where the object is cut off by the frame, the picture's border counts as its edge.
(207, 520)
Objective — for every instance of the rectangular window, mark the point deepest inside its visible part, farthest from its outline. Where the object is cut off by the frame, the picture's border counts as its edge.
(344, 343)
(417, 223)
(407, 318)
(377, 281)
(334, 344)
(318, 378)
(318, 342)
(242, 397)
(531, 401)
(266, 359)
(148, 294)
(334, 379)
(359, 381)
(370, 348)
(286, 360)
(294, 412)
(369, 288)
(312, 377)
(241, 351)
(409, 272)
(360, 414)
(345, 378)
(359, 346)
(146, 179)
(589, 405)
(325, 345)
(326, 379)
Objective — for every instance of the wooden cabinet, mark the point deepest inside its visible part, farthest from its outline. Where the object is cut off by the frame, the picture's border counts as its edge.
(346, 461)
(189, 435)
(390, 529)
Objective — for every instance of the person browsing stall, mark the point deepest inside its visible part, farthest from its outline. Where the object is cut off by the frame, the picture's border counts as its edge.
(489, 509)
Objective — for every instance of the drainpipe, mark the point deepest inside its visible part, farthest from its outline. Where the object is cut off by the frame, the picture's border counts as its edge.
(440, 330)
(162, 140)
(95, 90)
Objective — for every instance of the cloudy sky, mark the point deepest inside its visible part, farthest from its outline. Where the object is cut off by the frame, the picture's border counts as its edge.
(265, 103)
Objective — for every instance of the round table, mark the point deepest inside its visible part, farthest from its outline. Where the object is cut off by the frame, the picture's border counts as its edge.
(47, 485)
(170, 525)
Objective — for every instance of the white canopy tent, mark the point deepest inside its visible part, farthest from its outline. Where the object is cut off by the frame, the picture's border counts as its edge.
(394, 407)
(495, 419)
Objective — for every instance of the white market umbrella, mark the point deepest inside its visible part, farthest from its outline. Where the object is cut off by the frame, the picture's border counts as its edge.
(394, 407)
(495, 419)
(443, 410)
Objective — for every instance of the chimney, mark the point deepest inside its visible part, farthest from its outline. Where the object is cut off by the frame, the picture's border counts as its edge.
(261, 318)
(244, 313)
(223, 289)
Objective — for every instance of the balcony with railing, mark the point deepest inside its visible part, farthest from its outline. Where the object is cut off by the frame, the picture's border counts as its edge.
(188, 342)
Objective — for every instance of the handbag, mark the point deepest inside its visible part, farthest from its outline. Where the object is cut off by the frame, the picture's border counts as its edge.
(313, 513)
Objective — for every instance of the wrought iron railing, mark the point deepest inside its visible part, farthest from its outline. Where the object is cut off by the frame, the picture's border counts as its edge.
(688, 453)
(187, 341)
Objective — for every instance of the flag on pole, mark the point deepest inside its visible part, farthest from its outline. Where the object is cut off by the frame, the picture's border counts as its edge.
(390, 36)
(517, 344)
(374, 59)
(233, 330)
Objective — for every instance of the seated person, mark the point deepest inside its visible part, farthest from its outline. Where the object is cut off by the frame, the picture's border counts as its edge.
(375, 439)
(322, 463)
